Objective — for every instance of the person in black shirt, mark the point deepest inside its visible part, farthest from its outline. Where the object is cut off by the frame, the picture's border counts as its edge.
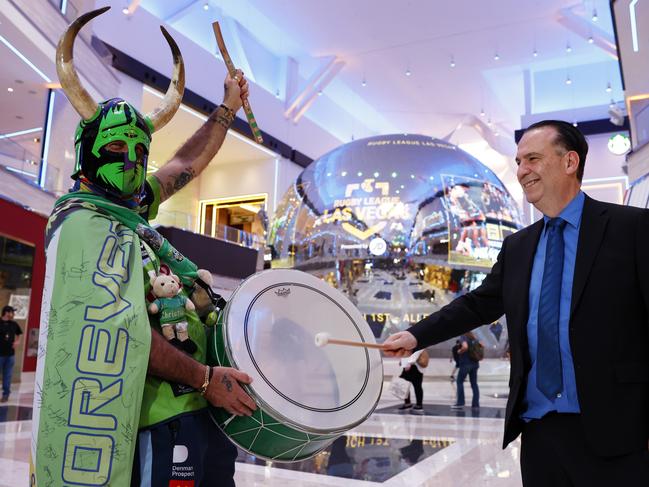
(9, 340)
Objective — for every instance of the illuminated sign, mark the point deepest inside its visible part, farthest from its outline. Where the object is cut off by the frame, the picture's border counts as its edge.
(378, 246)
(619, 144)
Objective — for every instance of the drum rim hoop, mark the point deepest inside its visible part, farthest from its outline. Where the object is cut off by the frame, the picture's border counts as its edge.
(273, 412)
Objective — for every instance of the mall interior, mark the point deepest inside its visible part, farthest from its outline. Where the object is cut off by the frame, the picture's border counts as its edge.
(386, 175)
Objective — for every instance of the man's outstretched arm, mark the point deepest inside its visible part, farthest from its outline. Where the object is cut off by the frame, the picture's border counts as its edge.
(169, 363)
(196, 153)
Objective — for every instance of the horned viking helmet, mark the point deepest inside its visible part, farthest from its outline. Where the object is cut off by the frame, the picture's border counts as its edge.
(122, 174)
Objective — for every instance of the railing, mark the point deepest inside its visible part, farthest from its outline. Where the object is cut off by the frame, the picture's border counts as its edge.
(19, 160)
(185, 221)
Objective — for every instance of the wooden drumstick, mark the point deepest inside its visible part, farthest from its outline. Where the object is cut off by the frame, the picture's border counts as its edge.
(232, 70)
(322, 339)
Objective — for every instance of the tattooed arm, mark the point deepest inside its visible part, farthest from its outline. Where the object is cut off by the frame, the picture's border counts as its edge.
(197, 152)
(169, 363)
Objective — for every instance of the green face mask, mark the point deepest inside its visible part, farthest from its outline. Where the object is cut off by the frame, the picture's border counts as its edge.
(120, 173)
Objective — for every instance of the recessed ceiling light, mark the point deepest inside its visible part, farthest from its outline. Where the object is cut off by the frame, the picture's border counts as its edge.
(125, 11)
(568, 81)
(608, 87)
(359, 174)
(595, 17)
(319, 92)
(10, 89)
(496, 57)
(376, 174)
(535, 53)
(574, 124)
(591, 40)
(206, 6)
(408, 73)
(568, 48)
(482, 113)
(363, 83)
(343, 174)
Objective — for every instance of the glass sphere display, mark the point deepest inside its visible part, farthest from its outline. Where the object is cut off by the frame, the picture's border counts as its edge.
(402, 224)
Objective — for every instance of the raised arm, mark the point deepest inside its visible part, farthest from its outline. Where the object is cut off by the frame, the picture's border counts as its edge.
(196, 153)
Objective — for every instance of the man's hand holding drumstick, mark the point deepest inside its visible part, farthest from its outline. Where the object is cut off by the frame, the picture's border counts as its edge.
(400, 344)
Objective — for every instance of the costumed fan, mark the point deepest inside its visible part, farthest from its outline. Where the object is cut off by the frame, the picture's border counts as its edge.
(108, 384)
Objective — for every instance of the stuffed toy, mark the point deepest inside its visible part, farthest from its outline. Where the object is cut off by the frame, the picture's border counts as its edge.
(172, 307)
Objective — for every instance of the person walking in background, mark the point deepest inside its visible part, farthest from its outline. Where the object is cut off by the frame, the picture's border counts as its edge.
(468, 364)
(413, 371)
(10, 333)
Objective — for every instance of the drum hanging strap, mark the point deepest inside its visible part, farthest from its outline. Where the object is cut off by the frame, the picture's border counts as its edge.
(217, 300)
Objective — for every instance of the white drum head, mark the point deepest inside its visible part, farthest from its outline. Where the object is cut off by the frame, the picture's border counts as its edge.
(270, 326)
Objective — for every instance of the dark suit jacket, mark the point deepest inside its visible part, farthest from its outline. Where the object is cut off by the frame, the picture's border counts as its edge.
(608, 328)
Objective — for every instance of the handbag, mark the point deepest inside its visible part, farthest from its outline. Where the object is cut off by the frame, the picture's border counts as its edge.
(399, 387)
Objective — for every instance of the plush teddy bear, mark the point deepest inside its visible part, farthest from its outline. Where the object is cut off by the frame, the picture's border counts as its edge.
(172, 308)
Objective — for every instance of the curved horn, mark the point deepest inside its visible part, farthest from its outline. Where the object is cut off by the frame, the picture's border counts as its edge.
(70, 82)
(169, 105)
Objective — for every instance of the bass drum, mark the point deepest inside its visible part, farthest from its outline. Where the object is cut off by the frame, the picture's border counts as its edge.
(307, 396)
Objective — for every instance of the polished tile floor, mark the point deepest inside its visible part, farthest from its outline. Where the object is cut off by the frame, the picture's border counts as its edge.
(440, 447)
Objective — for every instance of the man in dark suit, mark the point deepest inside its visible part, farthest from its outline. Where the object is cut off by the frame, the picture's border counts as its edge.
(574, 287)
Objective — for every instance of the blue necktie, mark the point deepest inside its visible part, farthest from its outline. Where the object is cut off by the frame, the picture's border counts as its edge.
(549, 377)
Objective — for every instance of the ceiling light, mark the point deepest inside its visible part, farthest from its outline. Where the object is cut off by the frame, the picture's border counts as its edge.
(612, 104)
(535, 53)
(319, 92)
(343, 174)
(363, 83)
(206, 6)
(608, 87)
(328, 174)
(482, 113)
(276, 93)
(568, 47)
(376, 174)
(452, 62)
(496, 57)
(408, 73)
(394, 174)
(574, 124)
(125, 11)
(591, 40)
(489, 122)
(359, 174)
(595, 17)
(24, 59)
(10, 89)
(568, 80)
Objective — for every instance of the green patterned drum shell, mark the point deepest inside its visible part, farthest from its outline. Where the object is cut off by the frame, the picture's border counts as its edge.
(307, 396)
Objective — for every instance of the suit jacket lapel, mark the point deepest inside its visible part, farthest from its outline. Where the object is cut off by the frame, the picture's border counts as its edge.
(593, 224)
